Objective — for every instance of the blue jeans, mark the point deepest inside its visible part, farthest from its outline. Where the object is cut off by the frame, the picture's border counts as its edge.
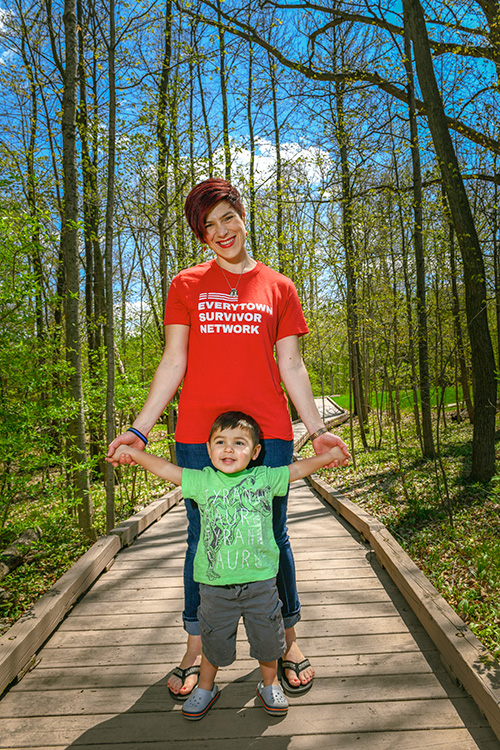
(273, 453)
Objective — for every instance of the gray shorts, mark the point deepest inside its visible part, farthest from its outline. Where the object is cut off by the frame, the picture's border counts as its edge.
(219, 613)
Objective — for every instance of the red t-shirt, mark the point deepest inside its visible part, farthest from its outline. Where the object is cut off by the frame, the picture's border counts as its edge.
(231, 364)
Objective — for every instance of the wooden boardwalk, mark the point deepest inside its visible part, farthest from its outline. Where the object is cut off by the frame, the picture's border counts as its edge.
(100, 683)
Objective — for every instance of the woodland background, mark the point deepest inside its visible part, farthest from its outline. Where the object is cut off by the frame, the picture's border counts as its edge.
(364, 139)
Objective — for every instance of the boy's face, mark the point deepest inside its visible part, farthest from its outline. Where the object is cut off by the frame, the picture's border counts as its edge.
(232, 450)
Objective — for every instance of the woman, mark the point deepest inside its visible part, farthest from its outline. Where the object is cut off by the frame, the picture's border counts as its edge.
(225, 320)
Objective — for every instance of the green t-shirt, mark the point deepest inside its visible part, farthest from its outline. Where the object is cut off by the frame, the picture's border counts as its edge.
(237, 542)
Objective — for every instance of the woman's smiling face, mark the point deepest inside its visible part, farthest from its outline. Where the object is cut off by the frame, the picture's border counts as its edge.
(225, 234)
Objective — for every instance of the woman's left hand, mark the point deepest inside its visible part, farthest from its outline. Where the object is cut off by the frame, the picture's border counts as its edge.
(324, 442)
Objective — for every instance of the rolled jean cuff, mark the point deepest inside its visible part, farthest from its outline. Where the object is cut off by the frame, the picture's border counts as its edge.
(291, 620)
(192, 627)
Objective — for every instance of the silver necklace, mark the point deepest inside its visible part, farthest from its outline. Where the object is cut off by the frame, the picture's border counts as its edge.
(233, 290)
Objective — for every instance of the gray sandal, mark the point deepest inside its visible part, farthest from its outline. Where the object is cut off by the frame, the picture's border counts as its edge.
(273, 699)
(200, 702)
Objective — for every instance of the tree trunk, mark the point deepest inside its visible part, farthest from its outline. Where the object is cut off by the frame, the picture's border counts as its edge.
(108, 255)
(409, 309)
(31, 195)
(483, 361)
(162, 144)
(457, 323)
(355, 367)
(94, 282)
(206, 122)
(496, 263)
(418, 243)
(69, 239)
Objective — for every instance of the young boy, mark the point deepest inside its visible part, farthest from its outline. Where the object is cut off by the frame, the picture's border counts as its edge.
(237, 557)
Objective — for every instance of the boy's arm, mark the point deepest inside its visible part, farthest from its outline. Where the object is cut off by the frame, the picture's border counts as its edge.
(156, 465)
(306, 466)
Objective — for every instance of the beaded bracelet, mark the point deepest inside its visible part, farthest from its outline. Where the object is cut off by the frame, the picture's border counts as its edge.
(139, 434)
(318, 433)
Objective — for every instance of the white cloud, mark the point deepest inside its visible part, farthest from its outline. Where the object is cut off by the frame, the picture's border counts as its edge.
(309, 162)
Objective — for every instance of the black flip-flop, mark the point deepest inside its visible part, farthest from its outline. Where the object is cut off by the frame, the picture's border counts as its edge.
(297, 667)
(182, 674)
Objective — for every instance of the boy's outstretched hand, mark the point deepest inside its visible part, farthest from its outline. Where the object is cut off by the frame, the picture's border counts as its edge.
(122, 455)
(325, 442)
(126, 440)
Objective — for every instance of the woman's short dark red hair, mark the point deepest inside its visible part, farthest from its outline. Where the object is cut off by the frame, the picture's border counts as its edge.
(204, 197)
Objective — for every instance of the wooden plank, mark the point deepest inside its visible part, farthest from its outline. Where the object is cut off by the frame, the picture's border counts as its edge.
(445, 739)
(162, 578)
(158, 567)
(100, 606)
(107, 593)
(243, 670)
(152, 634)
(147, 654)
(329, 591)
(143, 617)
(25, 637)
(468, 660)
(331, 690)
(247, 722)
(161, 581)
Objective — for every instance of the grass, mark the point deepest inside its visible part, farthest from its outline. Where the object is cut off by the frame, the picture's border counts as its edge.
(461, 559)
(405, 399)
(459, 555)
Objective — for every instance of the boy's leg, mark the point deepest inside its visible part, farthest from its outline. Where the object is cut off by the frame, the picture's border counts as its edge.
(280, 453)
(261, 610)
(219, 613)
(208, 673)
(269, 672)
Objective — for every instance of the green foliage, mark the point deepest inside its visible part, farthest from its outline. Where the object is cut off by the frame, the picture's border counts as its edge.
(33, 408)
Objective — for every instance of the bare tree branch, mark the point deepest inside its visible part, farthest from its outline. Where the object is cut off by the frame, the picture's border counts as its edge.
(245, 31)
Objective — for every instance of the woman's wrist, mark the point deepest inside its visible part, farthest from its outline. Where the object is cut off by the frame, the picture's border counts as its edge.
(318, 432)
(138, 434)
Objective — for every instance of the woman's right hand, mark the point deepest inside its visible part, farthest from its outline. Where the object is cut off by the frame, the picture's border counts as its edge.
(128, 439)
